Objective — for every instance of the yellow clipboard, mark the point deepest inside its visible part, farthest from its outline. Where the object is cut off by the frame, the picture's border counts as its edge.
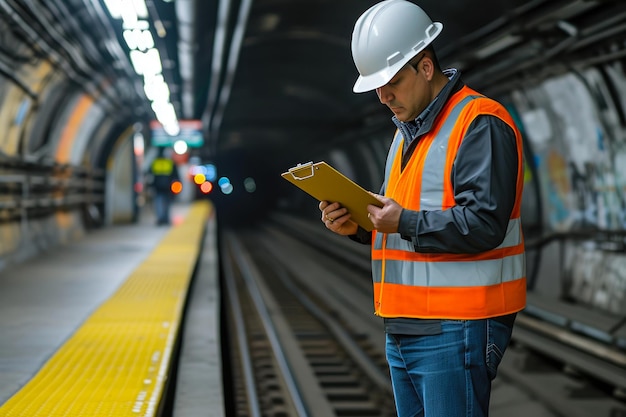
(325, 183)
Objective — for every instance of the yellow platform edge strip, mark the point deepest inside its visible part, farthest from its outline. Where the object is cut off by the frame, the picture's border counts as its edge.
(116, 363)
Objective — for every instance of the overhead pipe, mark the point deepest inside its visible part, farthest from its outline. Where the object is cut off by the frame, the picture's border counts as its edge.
(34, 38)
(67, 65)
(10, 74)
(216, 97)
(166, 61)
(84, 70)
(69, 23)
(186, 23)
(45, 19)
(231, 69)
(505, 21)
(217, 61)
(92, 57)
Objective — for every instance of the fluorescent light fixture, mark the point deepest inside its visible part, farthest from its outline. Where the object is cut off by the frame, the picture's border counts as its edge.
(146, 63)
(129, 16)
(165, 112)
(138, 39)
(137, 24)
(146, 40)
(145, 58)
(130, 36)
(137, 59)
(156, 89)
(153, 62)
(129, 10)
(115, 8)
(171, 129)
(140, 8)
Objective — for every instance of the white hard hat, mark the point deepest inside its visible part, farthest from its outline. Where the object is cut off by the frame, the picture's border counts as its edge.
(386, 37)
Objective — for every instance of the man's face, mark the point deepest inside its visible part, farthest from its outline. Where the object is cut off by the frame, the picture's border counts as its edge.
(407, 94)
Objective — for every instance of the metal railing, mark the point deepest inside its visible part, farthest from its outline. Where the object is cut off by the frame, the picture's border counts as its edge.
(29, 190)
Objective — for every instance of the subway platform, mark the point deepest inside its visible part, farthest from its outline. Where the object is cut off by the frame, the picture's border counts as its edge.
(91, 328)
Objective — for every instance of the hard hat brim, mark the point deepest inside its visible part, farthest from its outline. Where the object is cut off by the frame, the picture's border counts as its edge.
(371, 82)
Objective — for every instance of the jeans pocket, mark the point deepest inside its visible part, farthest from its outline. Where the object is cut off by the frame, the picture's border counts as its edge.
(498, 337)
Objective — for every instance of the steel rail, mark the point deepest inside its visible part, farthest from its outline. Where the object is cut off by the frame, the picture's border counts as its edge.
(260, 297)
(242, 340)
(340, 333)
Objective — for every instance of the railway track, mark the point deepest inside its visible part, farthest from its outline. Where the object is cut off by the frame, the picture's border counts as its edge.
(305, 341)
(294, 358)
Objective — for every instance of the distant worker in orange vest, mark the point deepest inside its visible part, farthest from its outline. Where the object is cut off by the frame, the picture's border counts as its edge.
(448, 256)
(164, 173)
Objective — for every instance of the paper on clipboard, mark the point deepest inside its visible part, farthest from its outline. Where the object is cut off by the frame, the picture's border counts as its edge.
(325, 183)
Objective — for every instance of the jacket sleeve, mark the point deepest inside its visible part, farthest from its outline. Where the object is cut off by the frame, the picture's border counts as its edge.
(362, 236)
(484, 176)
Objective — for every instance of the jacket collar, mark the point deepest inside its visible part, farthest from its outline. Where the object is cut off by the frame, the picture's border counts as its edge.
(424, 122)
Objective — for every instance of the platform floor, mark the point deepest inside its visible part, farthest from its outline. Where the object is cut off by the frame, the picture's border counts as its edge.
(46, 300)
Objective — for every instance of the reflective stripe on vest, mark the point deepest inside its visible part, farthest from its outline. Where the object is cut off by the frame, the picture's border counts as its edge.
(413, 284)
(505, 263)
(432, 180)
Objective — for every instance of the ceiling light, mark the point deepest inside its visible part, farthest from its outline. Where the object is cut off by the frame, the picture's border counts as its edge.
(145, 58)
(138, 39)
(156, 89)
(129, 16)
(115, 8)
(140, 8)
(146, 63)
(137, 24)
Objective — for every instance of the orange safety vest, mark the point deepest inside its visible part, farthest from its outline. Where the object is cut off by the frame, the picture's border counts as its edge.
(446, 285)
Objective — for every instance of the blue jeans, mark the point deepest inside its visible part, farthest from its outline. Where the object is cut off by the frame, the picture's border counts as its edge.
(162, 202)
(449, 374)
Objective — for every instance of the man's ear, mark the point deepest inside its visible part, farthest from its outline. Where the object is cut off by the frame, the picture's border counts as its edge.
(427, 67)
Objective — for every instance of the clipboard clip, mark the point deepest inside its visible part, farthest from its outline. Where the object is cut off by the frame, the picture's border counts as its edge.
(301, 167)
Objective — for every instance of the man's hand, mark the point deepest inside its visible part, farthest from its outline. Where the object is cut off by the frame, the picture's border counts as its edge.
(337, 218)
(385, 219)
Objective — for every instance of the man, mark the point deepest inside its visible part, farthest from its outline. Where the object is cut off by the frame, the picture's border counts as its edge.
(164, 172)
(448, 258)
